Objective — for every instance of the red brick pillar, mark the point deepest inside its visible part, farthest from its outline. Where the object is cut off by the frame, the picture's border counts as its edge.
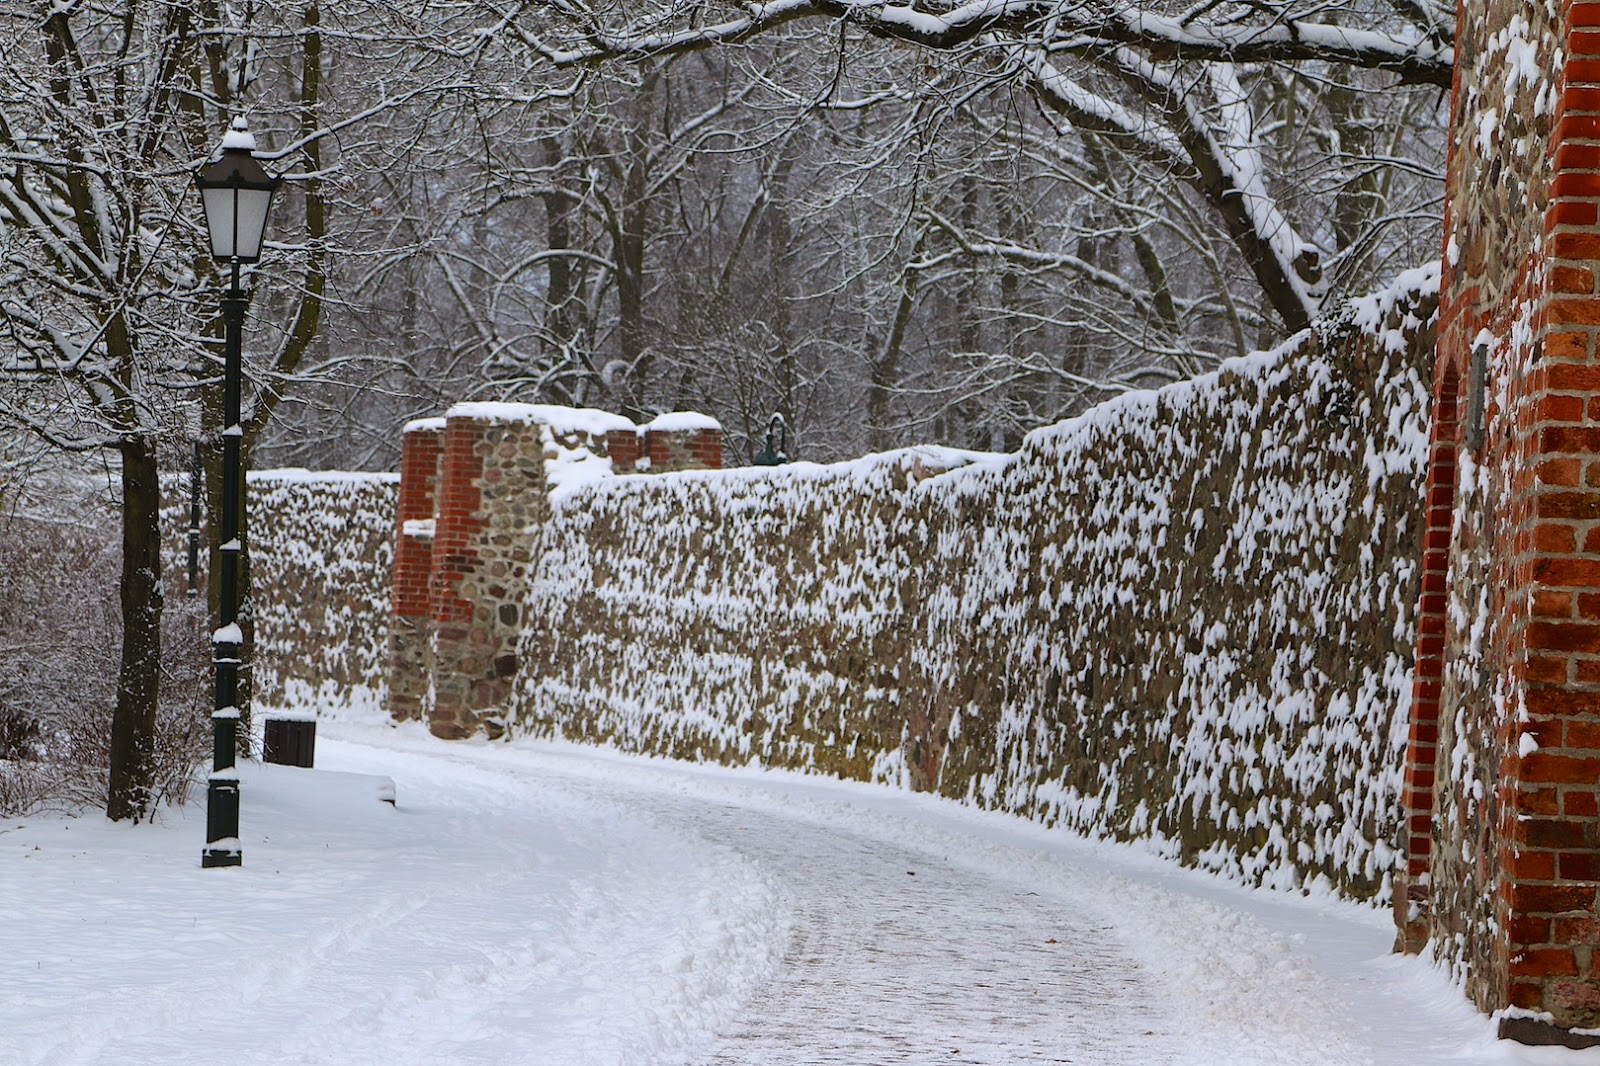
(622, 446)
(458, 524)
(1412, 897)
(410, 628)
(498, 463)
(1502, 851)
(683, 440)
(706, 448)
(493, 500)
(1552, 855)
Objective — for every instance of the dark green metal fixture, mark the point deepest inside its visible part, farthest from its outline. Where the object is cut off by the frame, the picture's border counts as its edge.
(1477, 385)
(776, 449)
(237, 193)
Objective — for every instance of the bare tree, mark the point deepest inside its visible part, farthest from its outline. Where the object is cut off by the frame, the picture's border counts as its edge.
(110, 325)
(1220, 170)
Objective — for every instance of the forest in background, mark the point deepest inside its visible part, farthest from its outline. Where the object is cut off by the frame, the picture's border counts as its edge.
(885, 241)
(891, 223)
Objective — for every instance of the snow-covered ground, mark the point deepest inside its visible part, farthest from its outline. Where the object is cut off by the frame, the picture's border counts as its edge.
(549, 904)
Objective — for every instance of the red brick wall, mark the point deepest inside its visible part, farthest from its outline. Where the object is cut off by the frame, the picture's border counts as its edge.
(1501, 858)
(1552, 858)
(419, 462)
(410, 625)
(459, 519)
(694, 449)
(1412, 900)
(622, 445)
(664, 451)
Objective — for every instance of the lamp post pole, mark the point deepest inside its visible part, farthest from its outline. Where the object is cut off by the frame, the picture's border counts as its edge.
(237, 195)
(222, 787)
(196, 471)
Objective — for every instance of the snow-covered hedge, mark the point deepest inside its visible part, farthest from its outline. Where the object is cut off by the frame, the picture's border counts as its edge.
(320, 553)
(1185, 617)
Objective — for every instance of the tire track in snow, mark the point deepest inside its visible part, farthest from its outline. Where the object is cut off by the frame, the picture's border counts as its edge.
(918, 942)
(901, 955)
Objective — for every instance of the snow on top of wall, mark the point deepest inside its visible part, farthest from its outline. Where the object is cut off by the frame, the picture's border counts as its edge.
(419, 425)
(918, 463)
(300, 475)
(588, 420)
(569, 468)
(1368, 313)
(681, 422)
(968, 470)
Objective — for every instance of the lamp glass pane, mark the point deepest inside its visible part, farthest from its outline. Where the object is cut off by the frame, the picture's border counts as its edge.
(219, 221)
(253, 204)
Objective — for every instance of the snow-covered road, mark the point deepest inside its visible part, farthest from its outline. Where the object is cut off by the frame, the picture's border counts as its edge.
(546, 904)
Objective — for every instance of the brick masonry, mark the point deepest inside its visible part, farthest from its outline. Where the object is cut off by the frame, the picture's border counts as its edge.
(475, 498)
(680, 441)
(410, 616)
(1501, 850)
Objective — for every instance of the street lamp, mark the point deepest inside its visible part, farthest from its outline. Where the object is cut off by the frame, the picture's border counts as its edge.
(776, 450)
(237, 194)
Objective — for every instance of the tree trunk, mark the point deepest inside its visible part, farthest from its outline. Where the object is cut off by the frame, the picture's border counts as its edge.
(564, 343)
(630, 241)
(885, 379)
(139, 682)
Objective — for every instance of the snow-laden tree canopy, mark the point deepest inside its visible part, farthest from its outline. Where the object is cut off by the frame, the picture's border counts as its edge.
(1182, 87)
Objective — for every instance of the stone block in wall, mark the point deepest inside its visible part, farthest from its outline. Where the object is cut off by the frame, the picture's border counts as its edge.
(321, 571)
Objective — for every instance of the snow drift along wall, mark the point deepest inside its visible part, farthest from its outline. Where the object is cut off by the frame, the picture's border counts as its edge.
(1187, 616)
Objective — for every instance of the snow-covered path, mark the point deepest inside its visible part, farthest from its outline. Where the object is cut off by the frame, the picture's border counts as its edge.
(546, 904)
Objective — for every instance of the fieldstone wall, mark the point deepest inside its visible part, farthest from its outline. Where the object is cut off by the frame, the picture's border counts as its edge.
(1186, 617)
(475, 502)
(320, 559)
(492, 500)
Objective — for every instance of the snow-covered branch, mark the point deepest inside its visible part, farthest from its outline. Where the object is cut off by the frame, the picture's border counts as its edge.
(1413, 53)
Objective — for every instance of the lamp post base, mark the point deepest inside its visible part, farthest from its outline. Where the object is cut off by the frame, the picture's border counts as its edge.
(222, 814)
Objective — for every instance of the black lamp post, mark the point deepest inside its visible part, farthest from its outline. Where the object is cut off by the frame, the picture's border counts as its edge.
(237, 194)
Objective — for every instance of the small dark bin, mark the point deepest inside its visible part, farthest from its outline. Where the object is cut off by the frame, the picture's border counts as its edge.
(289, 742)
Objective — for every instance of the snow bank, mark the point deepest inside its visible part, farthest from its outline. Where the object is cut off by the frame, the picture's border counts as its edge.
(1185, 617)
